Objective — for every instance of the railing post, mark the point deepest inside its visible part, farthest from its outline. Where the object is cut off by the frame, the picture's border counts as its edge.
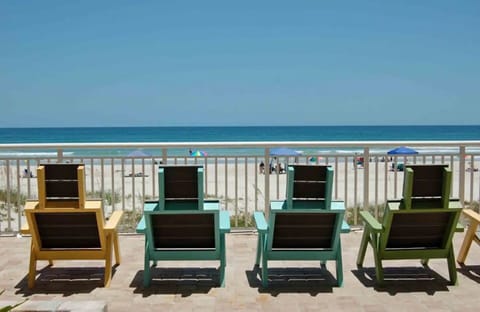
(366, 174)
(461, 177)
(164, 155)
(267, 181)
(59, 155)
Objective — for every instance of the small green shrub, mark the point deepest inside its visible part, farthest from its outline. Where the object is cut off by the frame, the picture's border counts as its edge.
(375, 210)
(14, 196)
(129, 221)
(109, 197)
(242, 220)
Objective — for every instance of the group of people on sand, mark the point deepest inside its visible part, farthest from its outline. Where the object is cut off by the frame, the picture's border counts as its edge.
(274, 167)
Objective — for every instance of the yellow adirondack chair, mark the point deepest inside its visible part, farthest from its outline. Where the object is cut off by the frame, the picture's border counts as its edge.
(64, 226)
(470, 236)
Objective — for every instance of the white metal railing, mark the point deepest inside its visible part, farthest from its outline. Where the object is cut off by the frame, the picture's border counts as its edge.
(125, 182)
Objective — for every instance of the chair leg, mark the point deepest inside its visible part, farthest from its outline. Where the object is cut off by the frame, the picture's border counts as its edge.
(223, 260)
(108, 261)
(115, 247)
(339, 266)
(259, 249)
(378, 268)
(363, 247)
(32, 270)
(452, 270)
(146, 268)
(264, 267)
(467, 242)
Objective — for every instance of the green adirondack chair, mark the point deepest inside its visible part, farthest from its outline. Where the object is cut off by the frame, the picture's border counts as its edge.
(181, 225)
(419, 226)
(309, 186)
(300, 234)
(426, 186)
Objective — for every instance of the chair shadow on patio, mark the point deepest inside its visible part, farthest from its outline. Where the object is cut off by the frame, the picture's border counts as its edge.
(312, 280)
(64, 280)
(177, 280)
(470, 271)
(403, 280)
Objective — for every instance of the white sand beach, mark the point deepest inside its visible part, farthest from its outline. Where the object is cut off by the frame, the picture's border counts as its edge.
(240, 187)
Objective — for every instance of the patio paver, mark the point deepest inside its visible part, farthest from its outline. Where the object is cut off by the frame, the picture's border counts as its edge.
(294, 286)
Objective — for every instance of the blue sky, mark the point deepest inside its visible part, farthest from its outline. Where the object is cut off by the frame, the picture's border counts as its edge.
(175, 63)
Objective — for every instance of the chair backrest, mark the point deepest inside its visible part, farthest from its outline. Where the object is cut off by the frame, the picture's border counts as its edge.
(419, 229)
(426, 186)
(180, 187)
(66, 229)
(182, 230)
(61, 185)
(304, 229)
(309, 186)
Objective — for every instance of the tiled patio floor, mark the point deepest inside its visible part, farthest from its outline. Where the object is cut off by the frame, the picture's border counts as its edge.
(414, 289)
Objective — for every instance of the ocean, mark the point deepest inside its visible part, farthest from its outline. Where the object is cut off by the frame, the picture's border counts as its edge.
(227, 134)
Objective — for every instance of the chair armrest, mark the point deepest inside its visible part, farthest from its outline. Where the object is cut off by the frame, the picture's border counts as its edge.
(114, 220)
(25, 230)
(371, 222)
(150, 205)
(472, 215)
(260, 222)
(224, 217)
(345, 227)
(141, 226)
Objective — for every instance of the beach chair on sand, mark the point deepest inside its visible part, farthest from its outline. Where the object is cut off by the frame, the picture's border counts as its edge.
(306, 226)
(181, 225)
(309, 186)
(419, 226)
(65, 226)
(471, 235)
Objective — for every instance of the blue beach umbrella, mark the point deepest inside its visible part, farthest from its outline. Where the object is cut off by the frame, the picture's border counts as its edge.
(402, 150)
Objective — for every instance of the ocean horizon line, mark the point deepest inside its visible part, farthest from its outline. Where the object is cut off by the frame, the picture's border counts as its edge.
(246, 126)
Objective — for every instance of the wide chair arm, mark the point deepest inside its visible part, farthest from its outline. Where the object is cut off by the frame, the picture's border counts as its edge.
(114, 220)
(224, 221)
(371, 222)
(475, 217)
(260, 222)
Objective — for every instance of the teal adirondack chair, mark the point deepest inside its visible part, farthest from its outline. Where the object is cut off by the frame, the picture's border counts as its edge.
(307, 225)
(420, 226)
(309, 186)
(180, 187)
(177, 227)
(300, 234)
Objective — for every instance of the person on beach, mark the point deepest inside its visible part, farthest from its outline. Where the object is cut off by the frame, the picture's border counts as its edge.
(262, 167)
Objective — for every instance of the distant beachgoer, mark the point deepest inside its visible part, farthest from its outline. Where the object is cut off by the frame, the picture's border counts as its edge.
(190, 152)
(262, 167)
